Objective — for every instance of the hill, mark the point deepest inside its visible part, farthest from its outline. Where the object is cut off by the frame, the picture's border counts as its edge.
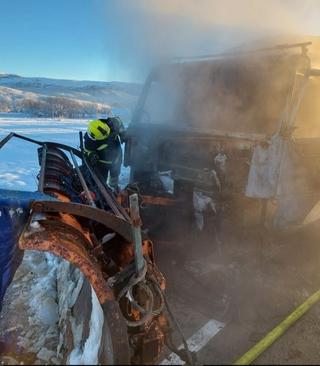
(44, 97)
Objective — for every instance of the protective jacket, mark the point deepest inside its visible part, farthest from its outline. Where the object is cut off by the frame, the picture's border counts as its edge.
(107, 152)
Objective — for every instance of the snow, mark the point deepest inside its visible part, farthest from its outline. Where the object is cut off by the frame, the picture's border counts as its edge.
(69, 284)
(41, 82)
(45, 354)
(33, 307)
(43, 294)
(48, 290)
(89, 354)
(19, 160)
(14, 88)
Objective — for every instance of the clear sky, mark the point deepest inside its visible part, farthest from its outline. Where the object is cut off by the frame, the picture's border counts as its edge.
(54, 38)
(121, 39)
(85, 39)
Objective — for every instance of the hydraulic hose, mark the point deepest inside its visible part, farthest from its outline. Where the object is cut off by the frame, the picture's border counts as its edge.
(127, 290)
(278, 331)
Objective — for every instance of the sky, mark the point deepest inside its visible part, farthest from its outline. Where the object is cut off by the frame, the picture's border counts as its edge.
(54, 38)
(122, 39)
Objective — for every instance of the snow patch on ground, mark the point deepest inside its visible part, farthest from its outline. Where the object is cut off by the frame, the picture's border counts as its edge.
(19, 159)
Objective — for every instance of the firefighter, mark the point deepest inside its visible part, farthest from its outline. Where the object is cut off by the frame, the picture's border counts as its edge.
(102, 147)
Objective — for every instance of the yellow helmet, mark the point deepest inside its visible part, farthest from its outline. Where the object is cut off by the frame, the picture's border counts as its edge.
(98, 130)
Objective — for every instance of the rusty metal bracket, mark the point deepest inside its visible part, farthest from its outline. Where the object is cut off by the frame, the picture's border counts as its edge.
(82, 180)
(136, 232)
(60, 225)
(106, 193)
(40, 143)
(111, 221)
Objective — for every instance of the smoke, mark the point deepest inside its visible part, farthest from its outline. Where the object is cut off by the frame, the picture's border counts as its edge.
(142, 33)
(243, 13)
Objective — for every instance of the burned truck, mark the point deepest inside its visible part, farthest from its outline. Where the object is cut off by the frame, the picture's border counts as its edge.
(240, 127)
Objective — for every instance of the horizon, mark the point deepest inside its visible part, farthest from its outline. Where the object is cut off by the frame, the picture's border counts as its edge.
(2, 73)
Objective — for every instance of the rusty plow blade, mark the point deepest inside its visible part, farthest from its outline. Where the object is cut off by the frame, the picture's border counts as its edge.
(108, 285)
(70, 245)
(112, 277)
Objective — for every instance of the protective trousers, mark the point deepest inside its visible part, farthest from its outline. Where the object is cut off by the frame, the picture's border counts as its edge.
(110, 169)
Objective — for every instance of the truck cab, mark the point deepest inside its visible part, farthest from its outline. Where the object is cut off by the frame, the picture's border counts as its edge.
(236, 125)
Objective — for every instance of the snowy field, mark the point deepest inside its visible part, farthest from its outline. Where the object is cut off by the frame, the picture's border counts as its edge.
(18, 159)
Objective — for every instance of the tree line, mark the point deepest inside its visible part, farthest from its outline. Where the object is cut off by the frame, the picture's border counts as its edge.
(53, 107)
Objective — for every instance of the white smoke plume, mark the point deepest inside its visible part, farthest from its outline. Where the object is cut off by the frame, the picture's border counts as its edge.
(141, 33)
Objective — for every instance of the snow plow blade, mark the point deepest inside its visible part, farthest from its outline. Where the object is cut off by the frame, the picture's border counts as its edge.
(117, 298)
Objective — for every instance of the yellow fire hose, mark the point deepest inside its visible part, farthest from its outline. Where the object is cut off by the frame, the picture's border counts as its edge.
(271, 337)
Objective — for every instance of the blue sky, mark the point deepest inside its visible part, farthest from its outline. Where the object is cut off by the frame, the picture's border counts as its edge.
(55, 38)
(89, 39)
(60, 39)
(121, 39)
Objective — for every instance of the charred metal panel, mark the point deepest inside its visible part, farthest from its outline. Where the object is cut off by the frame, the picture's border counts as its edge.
(230, 126)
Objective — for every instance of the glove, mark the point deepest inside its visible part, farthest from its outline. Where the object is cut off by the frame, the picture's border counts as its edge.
(93, 159)
(84, 197)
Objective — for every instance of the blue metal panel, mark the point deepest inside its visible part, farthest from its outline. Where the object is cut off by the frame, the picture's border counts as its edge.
(14, 212)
